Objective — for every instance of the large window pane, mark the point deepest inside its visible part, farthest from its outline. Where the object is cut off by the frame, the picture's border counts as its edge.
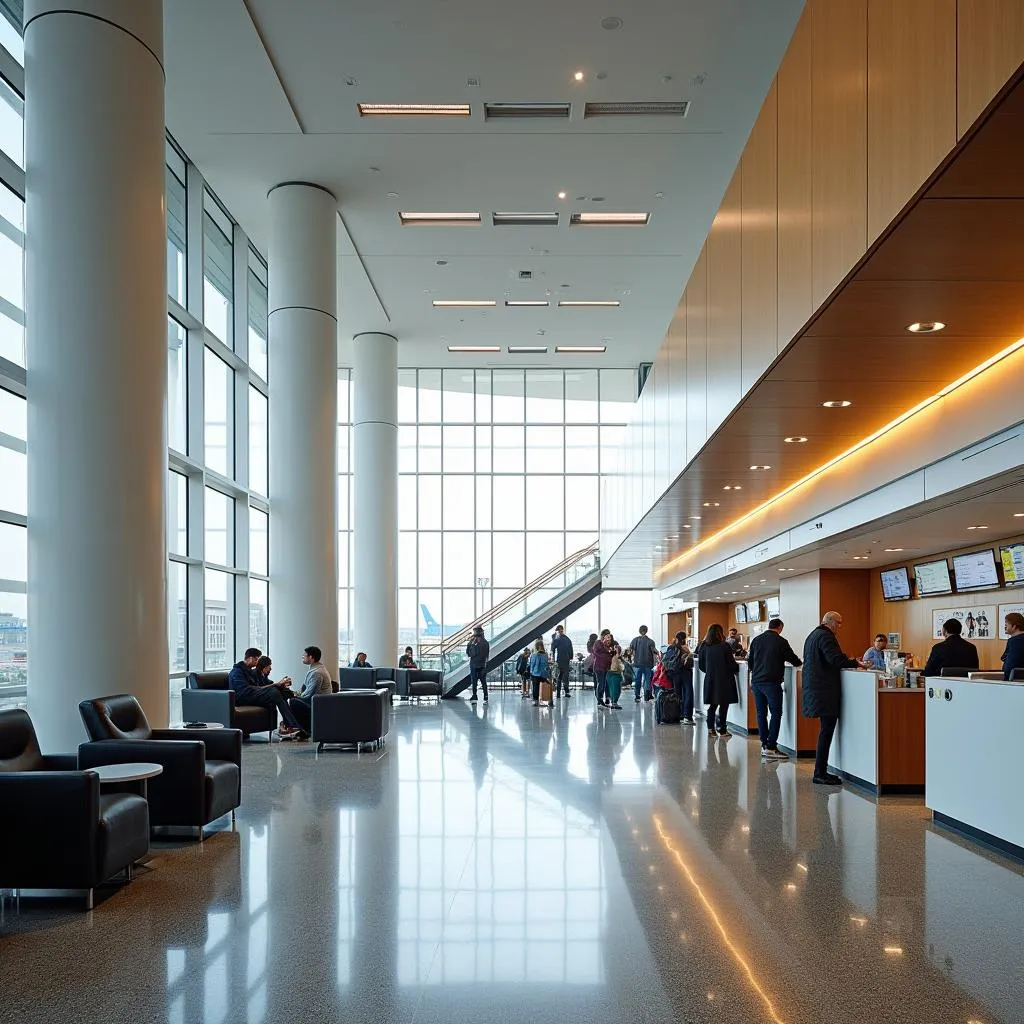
(407, 502)
(218, 273)
(545, 450)
(458, 445)
(430, 559)
(13, 415)
(459, 398)
(176, 237)
(458, 492)
(508, 396)
(544, 550)
(13, 481)
(429, 447)
(429, 394)
(12, 276)
(177, 514)
(483, 396)
(509, 560)
(583, 498)
(581, 450)
(429, 503)
(544, 390)
(219, 528)
(258, 306)
(581, 396)
(259, 552)
(545, 503)
(257, 441)
(406, 396)
(12, 119)
(13, 648)
(618, 395)
(259, 614)
(219, 619)
(509, 456)
(177, 387)
(509, 502)
(13, 552)
(458, 552)
(218, 413)
(406, 449)
(177, 616)
(407, 558)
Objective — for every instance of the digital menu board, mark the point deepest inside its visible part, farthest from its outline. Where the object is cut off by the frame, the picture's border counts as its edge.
(975, 571)
(773, 607)
(896, 584)
(740, 613)
(753, 611)
(1012, 557)
(933, 578)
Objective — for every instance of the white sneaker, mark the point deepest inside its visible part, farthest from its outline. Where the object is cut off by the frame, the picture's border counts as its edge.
(773, 755)
(689, 721)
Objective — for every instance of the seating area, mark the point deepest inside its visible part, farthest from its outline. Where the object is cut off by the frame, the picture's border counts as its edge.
(209, 698)
(405, 683)
(352, 717)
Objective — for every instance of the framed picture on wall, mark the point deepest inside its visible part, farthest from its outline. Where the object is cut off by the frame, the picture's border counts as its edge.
(1004, 610)
(980, 622)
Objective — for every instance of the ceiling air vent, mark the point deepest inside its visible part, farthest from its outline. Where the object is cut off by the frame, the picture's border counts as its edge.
(525, 275)
(524, 220)
(495, 111)
(655, 108)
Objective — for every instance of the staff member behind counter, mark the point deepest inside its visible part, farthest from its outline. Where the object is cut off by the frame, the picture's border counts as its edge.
(952, 651)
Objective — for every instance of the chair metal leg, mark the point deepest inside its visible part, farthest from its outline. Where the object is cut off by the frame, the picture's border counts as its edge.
(88, 899)
(232, 817)
(200, 835)
(129, 872)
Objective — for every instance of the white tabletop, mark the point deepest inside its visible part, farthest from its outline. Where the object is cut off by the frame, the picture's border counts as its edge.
(200, 726)
(131, 771)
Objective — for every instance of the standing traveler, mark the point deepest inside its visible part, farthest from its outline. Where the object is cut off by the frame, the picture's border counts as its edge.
(720, 669)
(1013, 656)
(477, 651)
(769, 652)
(602, 656)
(561, 650)
(678, 664)
(628, 675)
(540, 670)
(645, 653)
(614, 680)
(952, 651)
(824, 662)
(523, 671)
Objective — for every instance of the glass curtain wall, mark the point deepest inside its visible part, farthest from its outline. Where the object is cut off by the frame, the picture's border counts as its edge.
(499, 481)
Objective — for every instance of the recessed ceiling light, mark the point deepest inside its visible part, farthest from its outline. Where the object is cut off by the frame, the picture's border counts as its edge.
(686, 526)
(732, 487)
(761, 468)
(858, 558)
(926, 327)
(525, 349)
(474, 348)
(526, 302)
(527, 219)
(894, 549)
(462, 303)
(413, 109)
(444, 219)
(837, 404)
(609, 219)
(711, 504)
(762, 581)
(579, 303)
(561, 195)
(578, 76)
(977, 527)
(1018, 515)
(795, 439)
(581, 348)
(785, 570)
(695, 517)
(746, 586)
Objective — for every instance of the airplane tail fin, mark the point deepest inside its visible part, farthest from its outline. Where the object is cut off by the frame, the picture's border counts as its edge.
(427, 617)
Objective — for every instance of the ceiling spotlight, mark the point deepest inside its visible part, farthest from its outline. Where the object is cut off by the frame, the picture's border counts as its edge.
(578, 77)
(732, 487)
(837, 404)
(796, 439)
(761, 468)
(711, 504)
(561, 195)
(687, 526)
(926, 327)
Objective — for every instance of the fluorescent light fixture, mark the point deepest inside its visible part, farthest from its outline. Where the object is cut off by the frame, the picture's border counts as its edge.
(894, 549)
(838, 403)
(593, 218)
(581, 348)
(462, 303)
(526, 302)
(587, 303)
(1018, 515)
(732, 487)
(413, 109)
(760, 467)
(444, 219)
(528, 219)
(711, 504)
(527, 349)
(474, 348)
(977, 527)
(926, 327)
(795, 439)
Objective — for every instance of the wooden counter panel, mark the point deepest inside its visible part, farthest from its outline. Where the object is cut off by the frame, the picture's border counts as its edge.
(806, 728)
(901, 737)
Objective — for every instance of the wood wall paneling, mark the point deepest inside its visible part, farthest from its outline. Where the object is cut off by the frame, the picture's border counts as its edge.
(696, 357)
(793, 100)
(759, 242)
(847, 591)
(901, 738)
(676, 342)
(725, 303)
(990, 48)
(838, 141)
(911, 100)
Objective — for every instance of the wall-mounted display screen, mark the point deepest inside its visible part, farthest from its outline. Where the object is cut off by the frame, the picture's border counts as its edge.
(753, 611)
(976, 571)
(933, 578)
(896, 584)
(1012, 557)
(740, 612)
(773, 607)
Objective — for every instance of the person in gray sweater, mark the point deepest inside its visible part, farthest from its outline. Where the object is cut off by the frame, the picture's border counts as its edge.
(318, 680)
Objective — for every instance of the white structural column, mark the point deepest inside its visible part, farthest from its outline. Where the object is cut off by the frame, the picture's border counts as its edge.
(375, 503)
(96, 302)
(303, 425)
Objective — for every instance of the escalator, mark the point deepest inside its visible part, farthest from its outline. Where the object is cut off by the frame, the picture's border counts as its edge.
(528, 614)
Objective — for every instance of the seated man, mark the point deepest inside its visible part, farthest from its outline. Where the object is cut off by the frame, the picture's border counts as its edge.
(250, 693)
(360, 661)
(318, 680)
(407, 660)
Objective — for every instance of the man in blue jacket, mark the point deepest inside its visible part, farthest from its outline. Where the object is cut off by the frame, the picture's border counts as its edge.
(1013, 656)
(561, 652)
(250, 693)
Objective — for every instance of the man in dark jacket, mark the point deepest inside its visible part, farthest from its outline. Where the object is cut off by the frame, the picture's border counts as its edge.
(1013, 656)
(477, 652)
(250, 692)
(824, 662)
(561, 651)
(645, 653)
(766, 661)
(952, 651)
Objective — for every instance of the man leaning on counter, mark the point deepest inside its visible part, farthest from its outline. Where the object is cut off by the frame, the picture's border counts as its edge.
(952, 651)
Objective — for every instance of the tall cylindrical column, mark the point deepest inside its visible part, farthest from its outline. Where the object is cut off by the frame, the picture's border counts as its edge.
(375, 485)
(303, 425)
(96, 350)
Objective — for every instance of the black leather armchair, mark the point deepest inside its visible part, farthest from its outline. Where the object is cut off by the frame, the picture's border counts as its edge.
(417, 683)
(209, 698)
(351, 717)
(59, 830)
(202, 771)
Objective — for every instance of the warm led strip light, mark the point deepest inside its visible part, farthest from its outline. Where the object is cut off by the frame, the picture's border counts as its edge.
(862, 443)
(713, 914)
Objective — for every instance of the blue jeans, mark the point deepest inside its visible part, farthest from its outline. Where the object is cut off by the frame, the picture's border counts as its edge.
(478, 672)
(642, 678)
(682, 683)
(768, 697)
(600, 684)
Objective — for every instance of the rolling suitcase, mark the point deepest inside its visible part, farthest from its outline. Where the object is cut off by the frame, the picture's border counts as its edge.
(668, 708)
(545, 692)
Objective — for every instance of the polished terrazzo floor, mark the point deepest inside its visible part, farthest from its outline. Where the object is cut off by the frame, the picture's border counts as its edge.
(509, 863)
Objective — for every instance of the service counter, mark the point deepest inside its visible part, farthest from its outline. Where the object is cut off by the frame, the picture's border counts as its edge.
(973, 785)
(880, 740)
(743, 715)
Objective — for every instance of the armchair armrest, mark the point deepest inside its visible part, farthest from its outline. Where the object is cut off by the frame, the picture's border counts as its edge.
(179, 755)
(401, 682)
(221, 744)
(48, 810)
(207, 705)
(60, 762)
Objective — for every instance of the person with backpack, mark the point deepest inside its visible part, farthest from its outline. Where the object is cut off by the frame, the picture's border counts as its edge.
(678, 664)
(523, 671)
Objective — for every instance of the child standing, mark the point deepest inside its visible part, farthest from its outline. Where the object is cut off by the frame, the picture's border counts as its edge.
(614, 678)
(540, 669)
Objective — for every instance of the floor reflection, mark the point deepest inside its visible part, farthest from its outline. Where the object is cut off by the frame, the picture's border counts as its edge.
(506, 862)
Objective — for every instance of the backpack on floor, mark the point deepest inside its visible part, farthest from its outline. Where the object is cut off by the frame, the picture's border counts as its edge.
(668, 708)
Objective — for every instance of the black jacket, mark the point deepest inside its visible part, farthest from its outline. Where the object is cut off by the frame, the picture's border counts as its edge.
(767, 657)
(478, 650)
(720, 669)
(561, 647)
(824, 662)
(951, 652)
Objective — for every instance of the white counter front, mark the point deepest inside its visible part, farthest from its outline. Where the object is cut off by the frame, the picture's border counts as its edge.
(976, 787)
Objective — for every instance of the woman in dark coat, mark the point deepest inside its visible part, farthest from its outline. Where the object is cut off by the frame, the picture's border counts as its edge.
(720, 669)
